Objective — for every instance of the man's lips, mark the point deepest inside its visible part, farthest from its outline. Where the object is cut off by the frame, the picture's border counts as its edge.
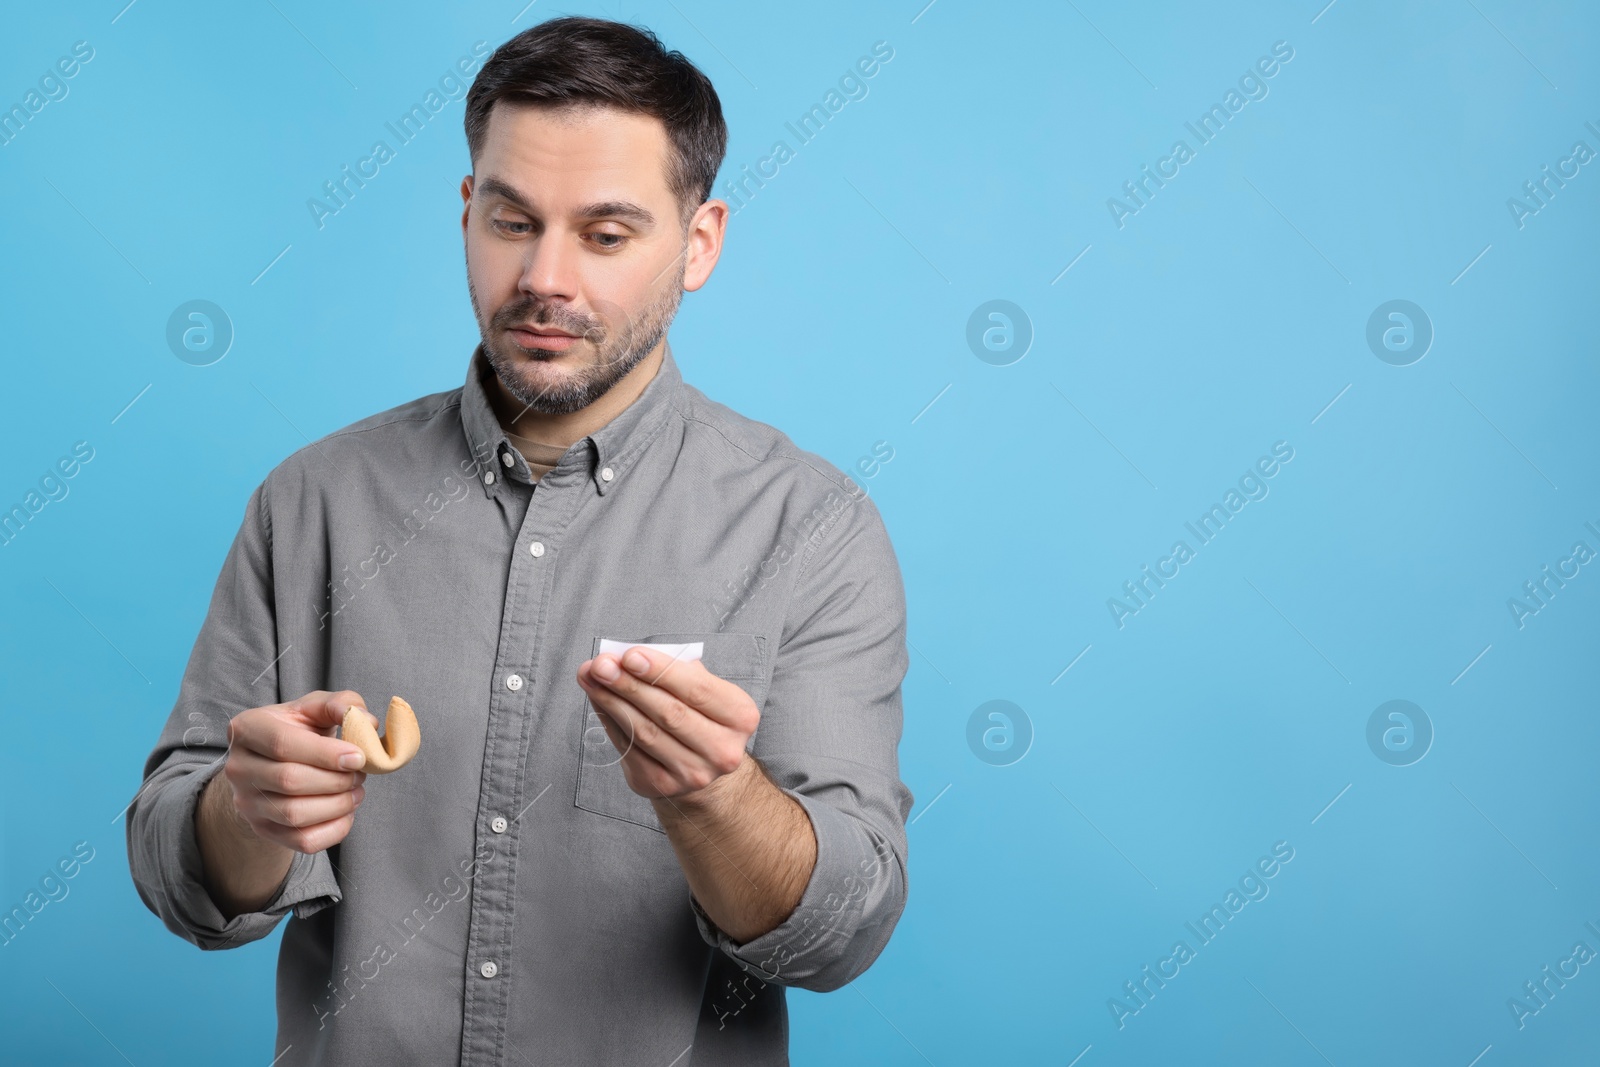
(539, 337)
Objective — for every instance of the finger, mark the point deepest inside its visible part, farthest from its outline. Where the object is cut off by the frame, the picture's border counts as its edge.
(637, 764)
(671, 750)
(283, 737)
(323, 710)
(297, 779)
(309, 839)
(619, 740)
(690, 681)
(300, 709)
(300, 812)
(696, 731)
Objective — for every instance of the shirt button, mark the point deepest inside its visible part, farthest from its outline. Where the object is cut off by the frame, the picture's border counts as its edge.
(489, 969)
(488, 477)
(514, 682)
(606, 474)
(536, 548)
(505, 457)
(499, 824)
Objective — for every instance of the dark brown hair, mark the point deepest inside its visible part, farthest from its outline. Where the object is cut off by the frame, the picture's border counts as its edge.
(575, 61)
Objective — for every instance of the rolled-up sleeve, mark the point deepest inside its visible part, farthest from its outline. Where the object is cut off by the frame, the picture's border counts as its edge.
(232, 667)
(829, 736)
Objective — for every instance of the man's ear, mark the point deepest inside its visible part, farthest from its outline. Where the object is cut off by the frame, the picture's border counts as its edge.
(466, 202)
(707, 228)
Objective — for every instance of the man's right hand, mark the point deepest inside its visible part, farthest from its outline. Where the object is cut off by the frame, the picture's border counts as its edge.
(290, 783)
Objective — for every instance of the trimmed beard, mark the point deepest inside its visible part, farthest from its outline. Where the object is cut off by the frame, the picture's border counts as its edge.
(616, 353)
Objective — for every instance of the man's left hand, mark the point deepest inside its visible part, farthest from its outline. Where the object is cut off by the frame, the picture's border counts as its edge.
(681, 730)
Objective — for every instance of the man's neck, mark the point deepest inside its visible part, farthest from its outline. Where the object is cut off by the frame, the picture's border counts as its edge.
(561, 430)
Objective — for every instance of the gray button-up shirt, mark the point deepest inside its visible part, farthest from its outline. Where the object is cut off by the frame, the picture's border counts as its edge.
(506, 898)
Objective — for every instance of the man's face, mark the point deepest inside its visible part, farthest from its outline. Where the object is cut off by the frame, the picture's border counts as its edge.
(575, 253)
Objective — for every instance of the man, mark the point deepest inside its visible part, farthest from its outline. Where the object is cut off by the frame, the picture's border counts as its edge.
(589, 860)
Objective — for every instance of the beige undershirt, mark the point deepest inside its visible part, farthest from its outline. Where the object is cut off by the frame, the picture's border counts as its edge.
(541, 457)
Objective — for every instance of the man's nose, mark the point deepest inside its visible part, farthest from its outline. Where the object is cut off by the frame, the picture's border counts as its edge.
(550, 267)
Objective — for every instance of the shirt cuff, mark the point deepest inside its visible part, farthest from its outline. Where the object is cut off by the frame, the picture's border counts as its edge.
(186, 906)
(818, 938)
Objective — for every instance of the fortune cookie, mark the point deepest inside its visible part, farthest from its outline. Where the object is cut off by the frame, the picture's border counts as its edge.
(400, 742)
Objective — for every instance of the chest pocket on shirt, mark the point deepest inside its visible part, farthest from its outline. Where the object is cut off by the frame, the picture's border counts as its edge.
(602, 786)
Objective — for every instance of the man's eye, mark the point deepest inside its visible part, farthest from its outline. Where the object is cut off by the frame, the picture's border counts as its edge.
(610, 240)
(507, 227)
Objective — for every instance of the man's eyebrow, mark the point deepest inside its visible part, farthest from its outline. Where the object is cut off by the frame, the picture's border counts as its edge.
(617, 209)
(495, 187)
(609, 209)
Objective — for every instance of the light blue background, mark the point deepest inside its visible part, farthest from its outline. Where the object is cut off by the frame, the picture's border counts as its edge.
(1223, 317)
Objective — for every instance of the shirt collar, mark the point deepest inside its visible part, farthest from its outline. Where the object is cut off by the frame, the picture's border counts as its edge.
(604, 457)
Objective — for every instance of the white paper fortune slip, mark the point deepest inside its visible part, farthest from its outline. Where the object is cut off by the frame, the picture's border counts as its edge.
(691, 650)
